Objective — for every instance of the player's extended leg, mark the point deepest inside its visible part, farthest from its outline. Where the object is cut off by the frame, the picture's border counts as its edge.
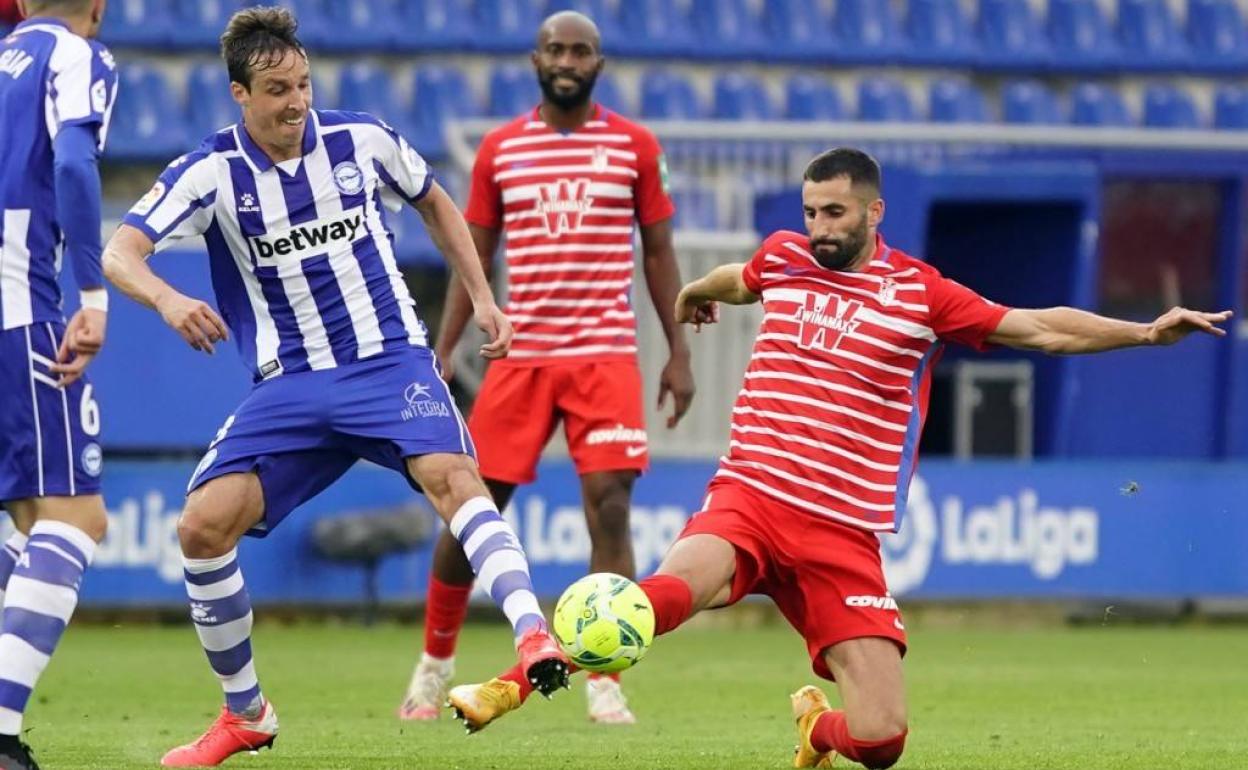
(446, 606)
(454, 487)
(871, 729)
(216, 516)
(40, 597)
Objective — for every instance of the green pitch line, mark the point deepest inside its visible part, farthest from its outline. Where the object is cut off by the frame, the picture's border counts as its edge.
(1097, 698)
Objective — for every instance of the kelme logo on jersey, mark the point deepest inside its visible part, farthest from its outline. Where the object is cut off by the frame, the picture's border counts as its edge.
(824, 320)
(310, 238)
(563, 205)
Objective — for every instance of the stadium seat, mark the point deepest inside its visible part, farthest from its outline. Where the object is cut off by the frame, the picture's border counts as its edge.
(652, 28)
(513, 90)
(884, 100)
(505, 26)
(358, 25)
(668, 95)
(811, 97)
(314, 28)
(741, 97)
(1094, 104)
(147, 121)
(797, 31)
(209, 106)
(939, 32)
(364, 87)
(1167, 106)
(140, 23)
(1230, 108)
(955, 100)
(607, 93)
(866, 31)
(725, 29)
(1010, 35)
(442, 94)
(1150, 37)
(430, 25)
(1030, 103)
(1217, 35)
(1080, 35)
(198, 23)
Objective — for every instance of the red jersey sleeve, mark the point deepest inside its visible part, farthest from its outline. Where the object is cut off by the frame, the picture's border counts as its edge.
(958, 314)
(752, 275)
(485, 200)
(653, 201)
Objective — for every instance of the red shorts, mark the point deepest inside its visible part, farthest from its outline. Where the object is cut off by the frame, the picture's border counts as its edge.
(826, 577)
(518, 407)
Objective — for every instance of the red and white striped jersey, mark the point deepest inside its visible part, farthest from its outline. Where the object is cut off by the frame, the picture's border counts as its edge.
(829, 416)
(566, 202)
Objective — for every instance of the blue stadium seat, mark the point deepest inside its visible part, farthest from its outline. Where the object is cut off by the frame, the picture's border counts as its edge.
(442, 93)
(939, 32)
(1217, 35)
(198, 23)
(209, 106)
(314, 28)
(667, 94)
(147, 121)
(1095, 104)
(1010, 35)
(956, 100)
(652, 28)
(866, 30)
(741, 97)
(1029, 102)
(725, 29)
(607, 93)
(1167, 106)
(1149, 34)
(430, 25)
(358, 25)
(140, 23)
(1230, 108)
(812, 97)
(797, 30)
(883, 99)
(505, 25)
(1080, 34)
(365, 87)
(513, 90)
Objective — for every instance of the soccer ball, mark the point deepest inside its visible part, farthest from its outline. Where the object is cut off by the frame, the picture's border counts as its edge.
(604, 622)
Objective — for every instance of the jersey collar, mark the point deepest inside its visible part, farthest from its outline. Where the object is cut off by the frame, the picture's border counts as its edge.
(42, 21)
(536, 117)
(256, 157)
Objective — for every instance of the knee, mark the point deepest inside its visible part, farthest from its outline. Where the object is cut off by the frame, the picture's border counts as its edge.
(95, 525)
(880, 755)
(202, 534)
(611, 502)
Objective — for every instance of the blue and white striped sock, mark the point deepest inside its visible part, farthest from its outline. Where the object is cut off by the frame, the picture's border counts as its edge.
(41, 596)
(221, 611)
(498, 561)
(9, 554)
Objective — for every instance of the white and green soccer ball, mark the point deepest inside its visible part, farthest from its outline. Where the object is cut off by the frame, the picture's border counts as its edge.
(604, 622)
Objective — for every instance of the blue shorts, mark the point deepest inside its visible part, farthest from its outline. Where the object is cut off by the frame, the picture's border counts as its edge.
(49, 437)
(299, 432)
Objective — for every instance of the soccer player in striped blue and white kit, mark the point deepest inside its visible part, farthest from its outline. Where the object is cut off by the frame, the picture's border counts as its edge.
(290, 204)
(57, 87)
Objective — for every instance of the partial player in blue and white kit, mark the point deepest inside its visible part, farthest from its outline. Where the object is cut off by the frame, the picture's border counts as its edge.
(290, 203)
(57, 87)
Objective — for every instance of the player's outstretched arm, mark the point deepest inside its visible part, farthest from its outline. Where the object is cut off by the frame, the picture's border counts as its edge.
(663, 281)
(125, 266)
(457, 308)
(697, 303)
(1067, 331)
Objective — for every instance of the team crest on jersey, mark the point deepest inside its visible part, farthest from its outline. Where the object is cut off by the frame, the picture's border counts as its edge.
(888, 291)
(92, 459)
(563, 204)
(600, 161)
(348, 178)
(824, 320)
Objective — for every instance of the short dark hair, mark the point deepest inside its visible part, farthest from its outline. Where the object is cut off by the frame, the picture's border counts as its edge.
(258, 38)
(861, 168)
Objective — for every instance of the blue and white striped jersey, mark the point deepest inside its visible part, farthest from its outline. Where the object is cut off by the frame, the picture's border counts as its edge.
(49, 79)
(302, 261)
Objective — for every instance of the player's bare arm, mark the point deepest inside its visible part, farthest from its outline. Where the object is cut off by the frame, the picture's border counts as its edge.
(457, 308)
(125, 266)
(451, 236)
(1067, 331)
(697, 303)
(662, 278)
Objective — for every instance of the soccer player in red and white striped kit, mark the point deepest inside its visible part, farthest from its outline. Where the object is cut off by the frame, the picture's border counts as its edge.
(563, 186)
(824, 443)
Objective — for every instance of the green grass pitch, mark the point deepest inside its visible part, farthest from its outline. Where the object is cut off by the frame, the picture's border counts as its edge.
(706, 698)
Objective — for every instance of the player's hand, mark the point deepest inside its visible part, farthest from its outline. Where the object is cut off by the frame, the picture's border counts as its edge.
(84, 336)
(497, 328)
(194, 319)
(677, 379)
(691, 310)
(1179, 322)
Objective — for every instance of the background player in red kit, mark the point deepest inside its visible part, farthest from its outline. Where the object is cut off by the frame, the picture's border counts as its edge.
(564, 183)
(824, 440)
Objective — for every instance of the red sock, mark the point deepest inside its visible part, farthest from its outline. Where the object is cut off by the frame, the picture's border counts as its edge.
(672, 601)
(831, 733)
(613, 677)
(445, 609)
